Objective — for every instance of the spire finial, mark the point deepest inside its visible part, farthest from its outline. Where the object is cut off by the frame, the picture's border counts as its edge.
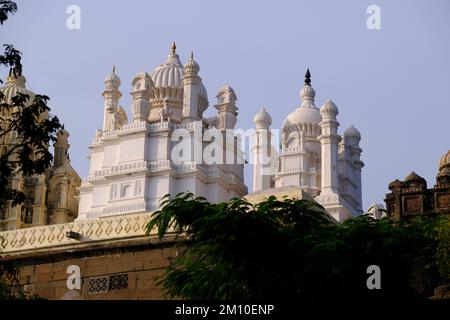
(114, 69)
(192, 55)
(174, 47)
(308, 77)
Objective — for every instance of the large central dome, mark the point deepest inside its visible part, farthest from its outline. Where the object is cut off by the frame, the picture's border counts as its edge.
(303, 115)
(170, 73)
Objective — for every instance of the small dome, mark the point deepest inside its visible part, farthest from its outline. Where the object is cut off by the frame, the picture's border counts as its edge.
(112, 79)
(13, 86)
(414, 177)
(329, 109)
(262, 119)
(192, 66)
(445, 160)
(303, 115)
(307, 94)
(170, 73)
(62, 136)
(352, 132)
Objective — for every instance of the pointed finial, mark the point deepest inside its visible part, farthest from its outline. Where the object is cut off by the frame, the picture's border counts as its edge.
(114, 69)
(174, 47)
(308, 77)
(192, 55)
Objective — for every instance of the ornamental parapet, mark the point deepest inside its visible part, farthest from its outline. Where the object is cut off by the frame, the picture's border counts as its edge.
(62, 235)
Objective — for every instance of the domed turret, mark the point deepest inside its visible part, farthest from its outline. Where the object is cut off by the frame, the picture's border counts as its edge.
(262, 119)
(352, 132)
(444, 169)
(112, 80)
(329, 110)
(192, 66)
(352, 136)
(445, 160)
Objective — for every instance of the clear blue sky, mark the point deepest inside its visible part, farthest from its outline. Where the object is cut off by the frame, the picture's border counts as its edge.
(393, 84)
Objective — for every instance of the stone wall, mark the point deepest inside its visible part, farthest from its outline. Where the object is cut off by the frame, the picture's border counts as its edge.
(115, 270)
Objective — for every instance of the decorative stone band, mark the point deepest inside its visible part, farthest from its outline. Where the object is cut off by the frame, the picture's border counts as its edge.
(310, 171)
(96, 230)
(152, 166)
(141, 126)
(127, 208)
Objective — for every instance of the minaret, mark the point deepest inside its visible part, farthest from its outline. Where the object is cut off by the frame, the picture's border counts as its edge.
(262, 176)
(111, 95)
(61, 148)
(352, 154)
(329, 140)
(191, 82)
(141, 94)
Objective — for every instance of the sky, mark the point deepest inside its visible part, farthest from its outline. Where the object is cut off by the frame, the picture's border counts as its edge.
(392, 83)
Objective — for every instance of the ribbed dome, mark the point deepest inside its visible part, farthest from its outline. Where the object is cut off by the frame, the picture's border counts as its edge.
(352, 132)
(329, 109)
(303, 115)
(445, 160)
(170, 73)
(262, 119)
(192, 66)
(13, 86)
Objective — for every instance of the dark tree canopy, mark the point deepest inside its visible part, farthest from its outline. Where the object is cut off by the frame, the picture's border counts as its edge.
(26, 130)
(26, 126)
(288, 250)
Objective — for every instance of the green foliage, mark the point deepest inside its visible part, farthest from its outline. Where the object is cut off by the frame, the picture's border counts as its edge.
(288, 250)
(26, 127)
(436, 231)
(10, 288)
(26, 130)
(6, 8)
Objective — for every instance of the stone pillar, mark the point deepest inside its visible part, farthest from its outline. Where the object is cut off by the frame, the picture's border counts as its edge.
(39, 207)
(141, 94)
(262, 149)
(329, 140)
(191, 82)
(111, 96)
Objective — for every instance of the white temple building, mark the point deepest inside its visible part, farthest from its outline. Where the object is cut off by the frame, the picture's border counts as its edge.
(131, 161)
(312, 156)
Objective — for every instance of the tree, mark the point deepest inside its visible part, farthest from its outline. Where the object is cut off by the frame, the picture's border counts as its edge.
(26, 130)
(283, 250)
(26, 127)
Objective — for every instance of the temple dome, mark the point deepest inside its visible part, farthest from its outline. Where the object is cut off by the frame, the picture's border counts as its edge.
(170, 73)
(13, 86)
(303, 115)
